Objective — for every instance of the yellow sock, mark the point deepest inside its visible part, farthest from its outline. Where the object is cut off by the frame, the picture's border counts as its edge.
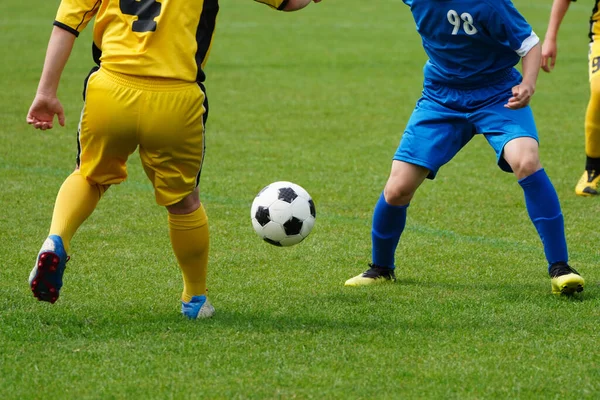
(75, 202)
(592, 121)
(189, 238)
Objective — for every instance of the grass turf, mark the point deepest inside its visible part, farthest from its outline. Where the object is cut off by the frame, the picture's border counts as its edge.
(319, 98)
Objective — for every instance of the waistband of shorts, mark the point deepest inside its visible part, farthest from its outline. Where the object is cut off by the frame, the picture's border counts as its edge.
(480, 82)
(144, 82)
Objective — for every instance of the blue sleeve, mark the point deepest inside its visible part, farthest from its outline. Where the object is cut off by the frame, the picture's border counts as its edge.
(510, 28)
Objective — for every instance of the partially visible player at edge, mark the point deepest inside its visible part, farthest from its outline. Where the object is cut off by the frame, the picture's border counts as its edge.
(146, 92)
(589, 183)
(471, 87)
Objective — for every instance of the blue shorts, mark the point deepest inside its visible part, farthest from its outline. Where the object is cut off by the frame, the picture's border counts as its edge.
(445, 119)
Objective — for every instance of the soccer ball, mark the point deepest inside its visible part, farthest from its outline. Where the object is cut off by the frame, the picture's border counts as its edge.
(283, 213)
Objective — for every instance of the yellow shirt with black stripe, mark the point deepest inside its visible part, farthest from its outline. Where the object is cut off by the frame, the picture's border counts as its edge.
(594, 19)
(150, 38)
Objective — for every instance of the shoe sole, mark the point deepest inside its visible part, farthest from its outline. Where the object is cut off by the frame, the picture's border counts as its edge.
(42, 285)
(569, 289)
(368, 282)
(586, 194)
(586, 191)
(569, 285)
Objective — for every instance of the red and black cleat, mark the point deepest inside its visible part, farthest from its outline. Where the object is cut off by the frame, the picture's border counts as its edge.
(45, 279)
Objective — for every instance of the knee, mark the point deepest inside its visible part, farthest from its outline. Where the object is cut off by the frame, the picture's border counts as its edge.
(187, 205)
(523, 157)
(102, 189)
(398, 193)
(526, 165)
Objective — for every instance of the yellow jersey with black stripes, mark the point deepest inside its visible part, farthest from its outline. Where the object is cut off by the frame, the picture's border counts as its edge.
(594, 19)
(150, 38)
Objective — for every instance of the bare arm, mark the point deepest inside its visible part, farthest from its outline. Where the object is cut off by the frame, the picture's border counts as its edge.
(549, 48)
(58, 52)
(46, 105)
(531, 66)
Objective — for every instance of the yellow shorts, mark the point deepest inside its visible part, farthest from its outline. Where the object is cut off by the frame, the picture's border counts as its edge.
(164, 118)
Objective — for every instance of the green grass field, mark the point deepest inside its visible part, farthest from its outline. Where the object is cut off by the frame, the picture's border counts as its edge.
(320, 98)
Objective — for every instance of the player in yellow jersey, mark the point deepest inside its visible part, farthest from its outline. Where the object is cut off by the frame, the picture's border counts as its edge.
(145, 93)
(589, 183)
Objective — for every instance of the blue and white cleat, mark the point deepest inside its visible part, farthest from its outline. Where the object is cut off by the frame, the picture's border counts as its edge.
(198, 307)
(45, 278)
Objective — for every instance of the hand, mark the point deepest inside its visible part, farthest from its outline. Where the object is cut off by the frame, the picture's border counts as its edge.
(521, 96)
(549, 51)
(42, 111)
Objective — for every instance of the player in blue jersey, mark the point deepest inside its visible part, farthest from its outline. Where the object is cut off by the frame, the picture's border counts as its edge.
(471, 87)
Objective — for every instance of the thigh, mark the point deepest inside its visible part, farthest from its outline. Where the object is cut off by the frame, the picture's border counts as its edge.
(433, 136)
(172, 141)
(500, 125)
(107, 129)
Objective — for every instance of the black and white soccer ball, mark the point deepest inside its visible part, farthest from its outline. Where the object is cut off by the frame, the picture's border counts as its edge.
(283, 213)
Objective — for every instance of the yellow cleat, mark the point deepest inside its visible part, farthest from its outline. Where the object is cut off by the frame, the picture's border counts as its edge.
(588, 184)
(373, 276)
(565, 280)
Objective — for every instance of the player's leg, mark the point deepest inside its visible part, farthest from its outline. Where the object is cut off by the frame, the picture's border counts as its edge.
(589, 183)
(389, 216)
(81, 191)
(172, 151)
(75, 202)
(514, 138)
(389, 220)
(541, 199)
(544, 210)
(188, 230)
(433, 136)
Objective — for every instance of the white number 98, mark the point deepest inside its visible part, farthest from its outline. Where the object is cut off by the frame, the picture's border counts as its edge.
(465, 19)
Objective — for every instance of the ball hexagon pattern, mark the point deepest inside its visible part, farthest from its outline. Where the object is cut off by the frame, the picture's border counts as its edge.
(283, 213)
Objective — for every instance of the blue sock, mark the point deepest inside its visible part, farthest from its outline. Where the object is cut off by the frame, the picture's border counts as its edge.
(388, 224)
(544, 210)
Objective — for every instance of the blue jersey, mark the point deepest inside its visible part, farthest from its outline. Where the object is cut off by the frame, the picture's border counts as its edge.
(471, 42)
